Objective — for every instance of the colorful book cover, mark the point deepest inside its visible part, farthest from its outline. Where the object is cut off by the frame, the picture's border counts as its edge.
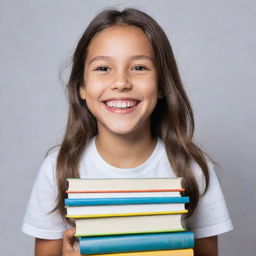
(121, 201)
(181, 252)
(136, 243)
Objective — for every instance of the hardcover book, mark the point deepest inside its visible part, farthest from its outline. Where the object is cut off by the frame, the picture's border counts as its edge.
(128, 225)
(181, 252)
(136, 243)
(118, 194)
(94, 206)
(124, 185)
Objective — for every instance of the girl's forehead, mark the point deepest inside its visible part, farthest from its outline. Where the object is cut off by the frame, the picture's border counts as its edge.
(120, 39)
(120, 29)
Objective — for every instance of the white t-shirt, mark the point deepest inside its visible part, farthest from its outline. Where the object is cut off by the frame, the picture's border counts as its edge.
(210, 218)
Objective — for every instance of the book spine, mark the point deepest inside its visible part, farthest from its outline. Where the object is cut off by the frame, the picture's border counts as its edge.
(180, 252)
(132, 243)
(120, 201)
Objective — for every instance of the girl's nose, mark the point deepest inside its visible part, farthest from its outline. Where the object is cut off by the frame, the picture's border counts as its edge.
(121, 82)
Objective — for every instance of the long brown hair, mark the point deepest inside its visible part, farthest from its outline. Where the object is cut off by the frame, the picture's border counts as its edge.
(172, 120)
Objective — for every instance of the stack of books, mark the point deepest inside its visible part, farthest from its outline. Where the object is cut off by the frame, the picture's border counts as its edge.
(132, 217)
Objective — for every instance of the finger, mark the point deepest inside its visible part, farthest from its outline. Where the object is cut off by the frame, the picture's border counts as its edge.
(68, 239)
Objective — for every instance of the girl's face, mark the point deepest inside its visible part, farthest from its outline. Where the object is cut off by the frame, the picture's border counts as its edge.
(120, 80)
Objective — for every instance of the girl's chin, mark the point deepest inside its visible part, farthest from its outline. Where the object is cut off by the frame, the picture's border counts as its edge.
(122, 130)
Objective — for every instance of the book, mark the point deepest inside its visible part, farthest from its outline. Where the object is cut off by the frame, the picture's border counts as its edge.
(91, 206)
(125, 201)
(128, 225)
(108, 194)
(124, 185)
(136, 243)
(129, 216)
(134, 209)
(103, 215)
(180, 252)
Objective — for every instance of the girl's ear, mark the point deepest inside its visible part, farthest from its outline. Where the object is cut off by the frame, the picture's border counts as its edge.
(82, 92)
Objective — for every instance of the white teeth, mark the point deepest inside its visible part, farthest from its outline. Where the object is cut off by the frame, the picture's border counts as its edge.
(121, 104)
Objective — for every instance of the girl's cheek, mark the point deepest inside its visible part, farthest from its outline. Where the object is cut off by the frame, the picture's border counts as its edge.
(101, 82)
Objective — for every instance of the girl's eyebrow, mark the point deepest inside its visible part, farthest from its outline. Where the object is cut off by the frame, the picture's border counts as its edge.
(134, 57)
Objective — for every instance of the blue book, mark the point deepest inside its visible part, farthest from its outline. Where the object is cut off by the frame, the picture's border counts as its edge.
(136, 243)
(123, 201)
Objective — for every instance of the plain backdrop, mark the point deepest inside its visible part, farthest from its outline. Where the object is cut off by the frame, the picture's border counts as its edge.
(215, 47)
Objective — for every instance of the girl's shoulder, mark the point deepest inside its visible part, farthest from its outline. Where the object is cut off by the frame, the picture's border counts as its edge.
(51, 156)
(47, 170)
(199, 175)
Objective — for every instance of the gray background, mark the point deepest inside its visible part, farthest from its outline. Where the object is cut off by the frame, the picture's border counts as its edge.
(215, 47)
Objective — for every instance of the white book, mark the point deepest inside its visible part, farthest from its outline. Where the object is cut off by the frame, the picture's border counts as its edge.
(111, 185)
(122, 209)
(124, 194)
(130, 224)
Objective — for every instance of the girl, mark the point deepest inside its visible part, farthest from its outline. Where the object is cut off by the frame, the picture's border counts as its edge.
(129, 116)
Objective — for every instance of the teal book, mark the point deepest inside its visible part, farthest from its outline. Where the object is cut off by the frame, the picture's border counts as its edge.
(136, 243)
(127, 200)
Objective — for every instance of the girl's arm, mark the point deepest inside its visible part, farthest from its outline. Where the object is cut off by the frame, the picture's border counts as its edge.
(45, 247)
(206, 246)
(60, 247)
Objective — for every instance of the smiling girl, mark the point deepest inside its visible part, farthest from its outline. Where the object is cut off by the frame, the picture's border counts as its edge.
(129, 117)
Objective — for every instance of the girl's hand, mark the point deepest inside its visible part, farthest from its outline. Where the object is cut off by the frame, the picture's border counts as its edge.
(68, 244)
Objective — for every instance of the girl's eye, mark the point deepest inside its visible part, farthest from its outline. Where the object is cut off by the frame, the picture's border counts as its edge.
(105, 68)
(102, 68)
(139, 68)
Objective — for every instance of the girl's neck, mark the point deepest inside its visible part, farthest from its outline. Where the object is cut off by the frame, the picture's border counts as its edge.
(125, 151)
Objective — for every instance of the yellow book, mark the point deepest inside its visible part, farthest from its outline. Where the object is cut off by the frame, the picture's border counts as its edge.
(124, 214)
(182, 252)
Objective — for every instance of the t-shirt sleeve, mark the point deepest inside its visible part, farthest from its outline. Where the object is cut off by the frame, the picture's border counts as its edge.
(39, 221)
(211, 216)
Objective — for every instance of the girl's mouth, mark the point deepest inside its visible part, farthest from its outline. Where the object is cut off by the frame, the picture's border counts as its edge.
(121, 106)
